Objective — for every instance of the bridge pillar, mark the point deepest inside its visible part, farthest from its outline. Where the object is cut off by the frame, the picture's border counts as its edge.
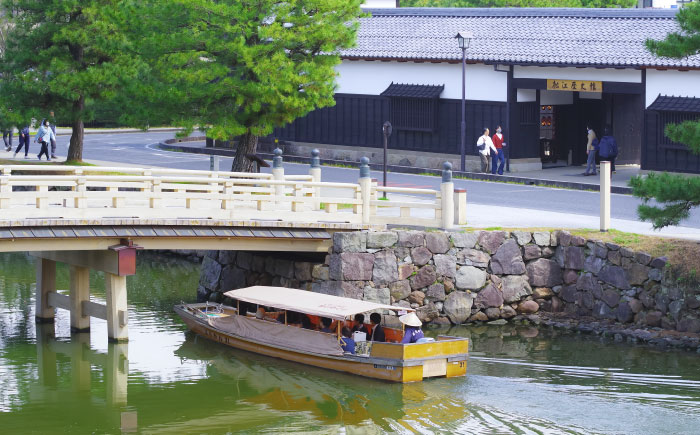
(117, 373)
(45, 357)
(79, 292)
(79, 362)
(117, 313)
(45, 284)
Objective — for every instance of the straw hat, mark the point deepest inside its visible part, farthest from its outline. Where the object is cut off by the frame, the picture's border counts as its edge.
(411, 319)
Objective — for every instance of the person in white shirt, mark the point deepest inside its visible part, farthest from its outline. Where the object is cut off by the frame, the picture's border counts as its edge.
(43, 137)
(485, 147)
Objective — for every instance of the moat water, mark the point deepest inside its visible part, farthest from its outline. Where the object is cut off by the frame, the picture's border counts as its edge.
(166, 380)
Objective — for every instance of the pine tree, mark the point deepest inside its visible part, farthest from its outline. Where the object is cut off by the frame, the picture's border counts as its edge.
(675, 194)
(60, 53)
(240, 68)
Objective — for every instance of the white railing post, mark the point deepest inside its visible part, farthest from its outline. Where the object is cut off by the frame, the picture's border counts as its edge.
(447, 197)
(80, 201)
(227, 201)
(315, 172)
(366, 189)
(373, 197)
(278, 174)
(156, 200)
(460, 206)
(5, 190)
(604, 196)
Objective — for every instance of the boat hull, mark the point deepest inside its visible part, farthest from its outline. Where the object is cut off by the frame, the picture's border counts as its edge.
(395, 363)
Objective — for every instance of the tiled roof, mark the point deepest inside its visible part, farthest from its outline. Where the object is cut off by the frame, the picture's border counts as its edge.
(666, 103)
(413, 91)
(581, 37)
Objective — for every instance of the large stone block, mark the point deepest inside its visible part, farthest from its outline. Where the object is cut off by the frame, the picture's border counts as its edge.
(522, 237)
(593, 264)
(227, 257)
(507, 259)
(435, 293)
(385, 268)
(528, 307)
(210, 274)
(284, 268)
(421, 255)
(636, 273)
(542, 238)
(458, 306)
(531, 252)
(437, 242)
(351, 266)
(427, 312)
(489, 297)
(426, 275)
(568, 294)
(624, 313)
(355, 241)
(611, 298)
(601, 310)
(490, 241)
(400, 289)
(379, 295)
(416, 297)
(588, 283)
(381, 239)
(573, 258)
(445, 265)
(516, 287)
(470, 278)
(473, 257)
(544, 273)
(302, 270)
(465, 240)
(411, 239)
(614, 276)
(320, 272)
(232, 277)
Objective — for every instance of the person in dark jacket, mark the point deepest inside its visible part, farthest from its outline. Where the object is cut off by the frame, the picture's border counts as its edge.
(23, 142)
(607, 147)
(377, 330)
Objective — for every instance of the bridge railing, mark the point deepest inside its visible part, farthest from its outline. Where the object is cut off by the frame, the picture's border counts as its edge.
(35, 191)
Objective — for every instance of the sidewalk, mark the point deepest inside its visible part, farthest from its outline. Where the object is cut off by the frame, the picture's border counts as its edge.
(567, 177)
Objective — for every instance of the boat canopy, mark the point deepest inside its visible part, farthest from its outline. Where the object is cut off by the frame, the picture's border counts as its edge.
(317, 304)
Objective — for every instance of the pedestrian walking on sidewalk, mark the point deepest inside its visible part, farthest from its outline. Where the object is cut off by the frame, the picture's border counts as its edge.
(52, 124)
(43, 136)
(498, 159)
(591, 150)
(23, 142)
(607, 147)
(7, 134)
(485, 147)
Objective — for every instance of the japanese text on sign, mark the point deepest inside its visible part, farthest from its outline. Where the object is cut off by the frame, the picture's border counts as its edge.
(574, 85)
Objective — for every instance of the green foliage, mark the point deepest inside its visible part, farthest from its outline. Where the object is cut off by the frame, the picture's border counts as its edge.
(520, 3)
(60, 53)
(676, 194)
(240, 67)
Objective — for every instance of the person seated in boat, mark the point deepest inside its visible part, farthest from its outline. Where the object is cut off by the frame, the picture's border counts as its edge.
(360, 324)
(413, 332)
(377, 329)
(306, 323)
(347, 343)
(326, 325)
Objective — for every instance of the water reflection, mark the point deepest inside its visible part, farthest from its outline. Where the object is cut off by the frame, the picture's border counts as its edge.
(520, 379)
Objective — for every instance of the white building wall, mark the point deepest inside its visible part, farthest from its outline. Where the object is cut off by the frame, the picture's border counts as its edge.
(373, 77)
(604, 75)
(671, 82)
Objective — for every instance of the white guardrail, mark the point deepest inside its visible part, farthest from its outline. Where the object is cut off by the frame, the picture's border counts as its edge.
(75, 192)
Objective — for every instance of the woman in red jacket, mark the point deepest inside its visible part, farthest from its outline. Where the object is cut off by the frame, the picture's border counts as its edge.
(497, 159)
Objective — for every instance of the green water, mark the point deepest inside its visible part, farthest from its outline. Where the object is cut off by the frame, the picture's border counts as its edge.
(166, 380)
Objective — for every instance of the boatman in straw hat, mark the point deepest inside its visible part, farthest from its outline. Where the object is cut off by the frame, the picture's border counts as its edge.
(413, 332)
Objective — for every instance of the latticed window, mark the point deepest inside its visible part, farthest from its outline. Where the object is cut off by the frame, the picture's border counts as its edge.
(666, 118)
(674, 110)
(414, 107)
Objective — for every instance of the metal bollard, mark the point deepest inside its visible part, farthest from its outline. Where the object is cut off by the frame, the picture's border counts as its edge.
(447, 207)
(278, 174)
(315, 172)
(366, 189)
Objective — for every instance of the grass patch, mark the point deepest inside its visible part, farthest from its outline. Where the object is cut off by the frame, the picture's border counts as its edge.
(340, 206)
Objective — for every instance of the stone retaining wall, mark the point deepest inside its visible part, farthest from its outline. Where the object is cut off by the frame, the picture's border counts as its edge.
(482, 276)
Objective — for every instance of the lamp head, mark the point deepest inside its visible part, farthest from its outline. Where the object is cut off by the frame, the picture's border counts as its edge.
(464, 38)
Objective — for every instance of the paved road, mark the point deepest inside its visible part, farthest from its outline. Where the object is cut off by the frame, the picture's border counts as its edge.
(527, 203)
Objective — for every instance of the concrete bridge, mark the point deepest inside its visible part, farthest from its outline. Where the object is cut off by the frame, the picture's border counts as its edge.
(97, 217)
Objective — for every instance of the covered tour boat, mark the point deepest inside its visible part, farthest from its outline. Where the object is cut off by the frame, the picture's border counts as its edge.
(271, 334)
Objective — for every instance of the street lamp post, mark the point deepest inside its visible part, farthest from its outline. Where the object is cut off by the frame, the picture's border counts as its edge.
(386, 129)
(464, 38)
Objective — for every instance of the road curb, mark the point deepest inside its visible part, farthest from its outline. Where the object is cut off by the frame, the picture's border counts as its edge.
(477, 176)
(135, 130)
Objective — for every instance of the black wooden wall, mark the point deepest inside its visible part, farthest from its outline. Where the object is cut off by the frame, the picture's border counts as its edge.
(356, 120)
(657, 157)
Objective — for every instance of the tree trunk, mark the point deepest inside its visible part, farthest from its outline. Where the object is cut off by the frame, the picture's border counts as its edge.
(247, 145)
(75, 150)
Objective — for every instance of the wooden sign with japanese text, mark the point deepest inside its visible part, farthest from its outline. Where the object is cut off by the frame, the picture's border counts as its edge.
(574, 85)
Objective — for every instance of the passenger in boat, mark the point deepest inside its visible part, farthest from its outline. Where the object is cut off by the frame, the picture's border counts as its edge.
(377, 330)
(326, 325)
(306, 323)
(413, 333)
(347, 343)
(360, 324)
